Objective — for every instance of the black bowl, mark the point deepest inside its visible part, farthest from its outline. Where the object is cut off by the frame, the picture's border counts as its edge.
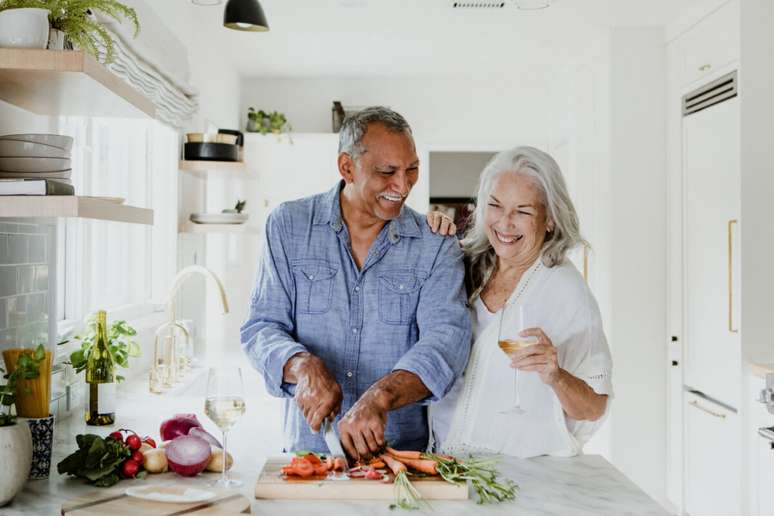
(198, 151)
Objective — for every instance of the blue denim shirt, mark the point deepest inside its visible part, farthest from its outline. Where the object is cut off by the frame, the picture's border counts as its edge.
(405, 309)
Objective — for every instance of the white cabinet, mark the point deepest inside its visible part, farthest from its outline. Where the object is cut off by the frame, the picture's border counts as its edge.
(712, 459)
(712, 44)
(290, 166)
(711, 230)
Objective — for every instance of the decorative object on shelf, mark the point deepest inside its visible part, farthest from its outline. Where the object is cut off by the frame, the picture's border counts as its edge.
(245, 15)
(337, 116)
(77, 20)
(23, 26)
(172, 356)
(240, 141)
(42, 431)
(240, 205)
(264, 122)
(211, 151)
(120, 342)
(16, 459)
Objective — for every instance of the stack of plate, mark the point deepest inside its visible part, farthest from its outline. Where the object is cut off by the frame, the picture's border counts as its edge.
(35, 156)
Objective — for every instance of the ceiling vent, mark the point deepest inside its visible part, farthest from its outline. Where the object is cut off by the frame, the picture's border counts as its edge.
(717, 91)
(478, 5)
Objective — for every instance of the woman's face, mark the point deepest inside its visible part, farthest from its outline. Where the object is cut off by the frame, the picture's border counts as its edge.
(515, 218)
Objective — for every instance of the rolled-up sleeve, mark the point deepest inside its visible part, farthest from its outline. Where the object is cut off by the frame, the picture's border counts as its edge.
(267, 335)
(441, 353)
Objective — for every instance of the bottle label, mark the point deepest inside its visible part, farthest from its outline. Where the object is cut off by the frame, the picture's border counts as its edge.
(106, 394)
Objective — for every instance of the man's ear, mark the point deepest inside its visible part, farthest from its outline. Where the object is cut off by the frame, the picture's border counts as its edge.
(346, 167)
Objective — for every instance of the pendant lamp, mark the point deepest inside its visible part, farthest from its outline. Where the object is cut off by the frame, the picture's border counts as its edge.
(245, 15)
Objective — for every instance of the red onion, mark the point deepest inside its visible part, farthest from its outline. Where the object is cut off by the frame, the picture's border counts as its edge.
(204, 434)
(188, 455)
(179, 425)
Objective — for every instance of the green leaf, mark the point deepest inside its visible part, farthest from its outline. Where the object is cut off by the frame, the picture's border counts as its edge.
(85, 441)
(96, 452)
(107, 480)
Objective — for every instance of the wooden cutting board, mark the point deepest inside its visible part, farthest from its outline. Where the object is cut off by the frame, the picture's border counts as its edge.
(116, 503)
(272, 485)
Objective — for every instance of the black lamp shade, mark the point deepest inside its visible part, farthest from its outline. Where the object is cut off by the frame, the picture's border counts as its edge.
(245, 15)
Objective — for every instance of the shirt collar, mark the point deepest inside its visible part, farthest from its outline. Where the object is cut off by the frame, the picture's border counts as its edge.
(330, 213)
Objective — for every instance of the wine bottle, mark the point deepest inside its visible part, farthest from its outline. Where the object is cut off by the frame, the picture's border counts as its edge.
(101, 378)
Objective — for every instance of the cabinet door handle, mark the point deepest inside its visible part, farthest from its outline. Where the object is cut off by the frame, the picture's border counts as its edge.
(708, 411)
(731, 224)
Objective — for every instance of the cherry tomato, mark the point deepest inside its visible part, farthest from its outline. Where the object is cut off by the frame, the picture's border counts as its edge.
(133, 442)
(129, 468)
(117, 436)
(149, 441)
(137, 456)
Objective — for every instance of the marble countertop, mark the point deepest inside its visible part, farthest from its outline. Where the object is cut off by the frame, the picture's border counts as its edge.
(585, 485)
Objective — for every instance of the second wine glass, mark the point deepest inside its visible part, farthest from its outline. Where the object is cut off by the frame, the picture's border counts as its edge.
(224, 405)
(510, 342)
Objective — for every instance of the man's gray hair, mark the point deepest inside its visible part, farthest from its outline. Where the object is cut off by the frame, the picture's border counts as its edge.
(545, 173)
(355, 126)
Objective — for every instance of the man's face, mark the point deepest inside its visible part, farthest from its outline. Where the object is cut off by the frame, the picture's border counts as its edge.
(383, 175)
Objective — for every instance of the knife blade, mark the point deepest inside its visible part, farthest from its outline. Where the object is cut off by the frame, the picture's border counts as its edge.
(333, 442)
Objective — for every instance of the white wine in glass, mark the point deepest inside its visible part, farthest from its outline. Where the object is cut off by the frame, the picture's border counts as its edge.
(510, 342)
(224, 405)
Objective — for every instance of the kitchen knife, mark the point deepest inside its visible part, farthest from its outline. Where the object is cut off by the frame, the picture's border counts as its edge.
(333, 442)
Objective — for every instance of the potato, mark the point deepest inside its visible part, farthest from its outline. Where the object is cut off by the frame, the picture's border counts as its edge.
(155, 461)
(216, 461)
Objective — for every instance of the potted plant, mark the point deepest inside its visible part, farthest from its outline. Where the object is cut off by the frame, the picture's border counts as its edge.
(76, 20)
(16, 448)
(264, 122)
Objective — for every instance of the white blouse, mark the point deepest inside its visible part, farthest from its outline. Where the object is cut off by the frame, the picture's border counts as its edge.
(470, 418)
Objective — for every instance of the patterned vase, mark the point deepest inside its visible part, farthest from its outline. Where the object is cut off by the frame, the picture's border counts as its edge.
(42, 430)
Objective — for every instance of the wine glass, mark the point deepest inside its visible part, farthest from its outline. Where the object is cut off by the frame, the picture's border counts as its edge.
(224, 405)
(510, 342)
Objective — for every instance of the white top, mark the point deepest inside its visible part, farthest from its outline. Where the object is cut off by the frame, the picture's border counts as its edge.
(470, 418)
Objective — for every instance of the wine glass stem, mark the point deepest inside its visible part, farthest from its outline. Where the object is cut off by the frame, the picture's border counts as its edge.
(224, 476)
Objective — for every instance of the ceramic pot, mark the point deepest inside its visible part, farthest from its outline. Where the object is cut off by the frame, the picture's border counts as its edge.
(15, 458)
(42, 430)
(24, 28)
(58, 40)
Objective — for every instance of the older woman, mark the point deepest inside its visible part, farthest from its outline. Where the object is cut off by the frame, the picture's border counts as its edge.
(516, 253)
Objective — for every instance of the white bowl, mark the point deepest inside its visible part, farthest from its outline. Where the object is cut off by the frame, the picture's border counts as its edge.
(34, 164)
(219, 218)
(58, 174)
(24, 28)
(55, 140)
(20, 149)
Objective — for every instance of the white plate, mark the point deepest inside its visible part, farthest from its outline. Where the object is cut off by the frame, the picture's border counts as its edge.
(219, 218)
(34, 164)
(171, 493)
(22, 149)
(55, 140)
(59, 174)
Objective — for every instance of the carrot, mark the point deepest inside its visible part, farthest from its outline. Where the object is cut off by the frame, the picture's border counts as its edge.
(396, 466)
(377, 463)
(406, 454)
(427, 466)
(329, 462)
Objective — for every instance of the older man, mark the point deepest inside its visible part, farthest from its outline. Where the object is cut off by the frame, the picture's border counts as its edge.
(358, 308)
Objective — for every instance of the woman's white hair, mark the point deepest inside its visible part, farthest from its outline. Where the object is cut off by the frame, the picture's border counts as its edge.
(544, 171)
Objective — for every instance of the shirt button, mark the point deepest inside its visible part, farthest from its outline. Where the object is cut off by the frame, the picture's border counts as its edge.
(349, 374)
(311, 276)
(357, 289)
(354, 330)
(401, 287)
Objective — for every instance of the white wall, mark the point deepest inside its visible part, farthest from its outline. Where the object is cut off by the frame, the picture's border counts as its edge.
(638, 255)
(757, 124)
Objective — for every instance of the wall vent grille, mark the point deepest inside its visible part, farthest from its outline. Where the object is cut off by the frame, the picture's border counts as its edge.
(717, 91)
(478, 5)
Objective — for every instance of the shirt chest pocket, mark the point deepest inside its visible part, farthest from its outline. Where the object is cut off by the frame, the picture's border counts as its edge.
(314, 286)
(399, 296)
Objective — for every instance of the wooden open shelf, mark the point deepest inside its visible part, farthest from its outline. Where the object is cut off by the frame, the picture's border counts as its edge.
(202, 168)
(190, 227)
(67, 82)
(23, 206)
